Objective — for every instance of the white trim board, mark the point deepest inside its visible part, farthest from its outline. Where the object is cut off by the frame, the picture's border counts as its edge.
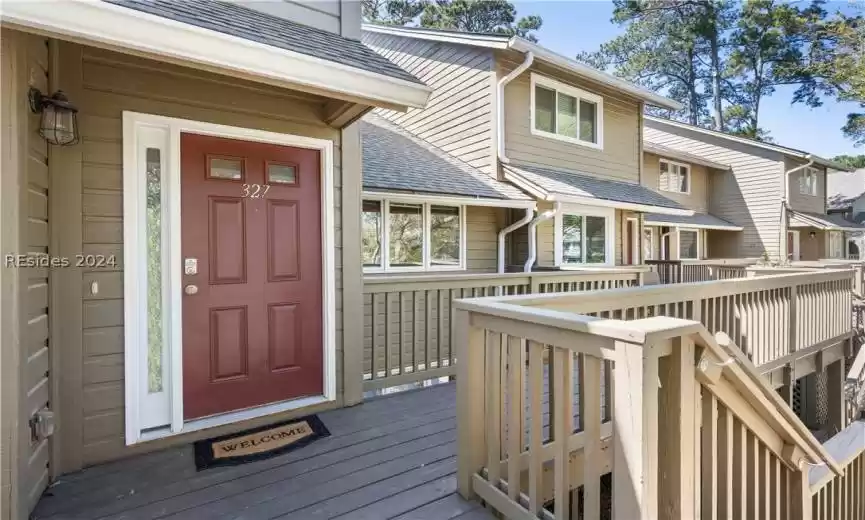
(609, 214)
(134, 290)
(125, 28)
(577, 93)
(448, 199)
(661, 223)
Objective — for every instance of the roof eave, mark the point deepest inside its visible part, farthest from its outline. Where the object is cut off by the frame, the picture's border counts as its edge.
(594, 201)
(478, 40)
(116, 27)
(445, 198)
(522, 45)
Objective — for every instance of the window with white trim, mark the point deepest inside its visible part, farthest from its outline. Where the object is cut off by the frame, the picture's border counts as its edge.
(585, 236)
(410, 236)
(648, 243)
(675, 177)
(836, 244)
(563, 112)
(808, 181)
(689, 244)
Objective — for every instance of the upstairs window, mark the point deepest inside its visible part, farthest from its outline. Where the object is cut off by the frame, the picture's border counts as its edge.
(808, 181)
(566, 113)
(675, 177)
(404, 236)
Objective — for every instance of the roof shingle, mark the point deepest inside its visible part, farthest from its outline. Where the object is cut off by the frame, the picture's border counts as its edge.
(235, 20)
(395, 160)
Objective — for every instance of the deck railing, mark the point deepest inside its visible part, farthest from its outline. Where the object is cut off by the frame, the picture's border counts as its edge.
(693, 430)
(841, 497)
(684, 271)
(407, 319)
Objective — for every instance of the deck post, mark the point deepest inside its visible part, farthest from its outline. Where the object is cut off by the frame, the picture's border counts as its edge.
(470, 402)
(800, 495)
(635, 432)
(835, 397)
(678, 426)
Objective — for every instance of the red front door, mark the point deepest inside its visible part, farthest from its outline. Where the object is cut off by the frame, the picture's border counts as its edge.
(252, 302)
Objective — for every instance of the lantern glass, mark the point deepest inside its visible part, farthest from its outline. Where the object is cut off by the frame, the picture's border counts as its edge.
(59, 122)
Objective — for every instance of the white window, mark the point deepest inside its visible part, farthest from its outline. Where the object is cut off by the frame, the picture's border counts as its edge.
(808, 181)
(836, 244)
(675, 177)
(585, 235)
(689, 244)
(410, 236)
(648, 243)
(560, 111)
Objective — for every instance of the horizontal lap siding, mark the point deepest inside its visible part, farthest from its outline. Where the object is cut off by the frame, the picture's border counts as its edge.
(802, 202)
(748, 196)
(36, 346)
(697, 200)
(482, 228)
(621, 154)
(110, 84)
(458, 117)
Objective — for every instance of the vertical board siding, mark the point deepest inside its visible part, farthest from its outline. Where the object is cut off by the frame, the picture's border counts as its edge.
(36, 346)
(748, 196)
(458, 117)
(697, 199)
(110, 84)
(621, 154)
(800, 201)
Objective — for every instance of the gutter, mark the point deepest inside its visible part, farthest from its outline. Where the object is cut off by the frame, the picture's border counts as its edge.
(516, 225)
(533, 238)
(785, 207)
(500, 105)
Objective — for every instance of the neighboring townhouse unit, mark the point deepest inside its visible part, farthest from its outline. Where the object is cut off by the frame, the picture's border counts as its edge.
(685, 178)
(846, 197)
(775, 194)
(517, 115)
(254, 109)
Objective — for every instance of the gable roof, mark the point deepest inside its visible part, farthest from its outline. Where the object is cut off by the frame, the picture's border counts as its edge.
(670, 153)
(557, 185)
(832, 221)
(792, 152)
(843, 188)
(516, 43)
(395, 160)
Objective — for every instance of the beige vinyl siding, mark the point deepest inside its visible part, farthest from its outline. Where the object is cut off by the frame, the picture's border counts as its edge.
(482, 231)
(621, 154)
(459, 116)
(336, 16)
(697, 200)
(800, 201)
(109, 84)
(749, 195)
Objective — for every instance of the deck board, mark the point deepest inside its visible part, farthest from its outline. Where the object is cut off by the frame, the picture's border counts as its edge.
(391, 457)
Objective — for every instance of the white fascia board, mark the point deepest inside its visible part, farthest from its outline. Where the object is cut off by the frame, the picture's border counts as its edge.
(751, 142)
(574, 66)
(525, 185)
(689, 225)
(463, 38)
(447, 199)
(125, 28)
(643, 208)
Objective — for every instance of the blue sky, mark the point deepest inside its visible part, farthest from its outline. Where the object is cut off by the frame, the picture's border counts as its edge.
(577, 25)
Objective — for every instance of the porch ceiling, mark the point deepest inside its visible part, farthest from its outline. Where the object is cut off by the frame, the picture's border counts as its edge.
(395, 160)
(833, 222)
(697, 220)
(228, 38)
(576, 188)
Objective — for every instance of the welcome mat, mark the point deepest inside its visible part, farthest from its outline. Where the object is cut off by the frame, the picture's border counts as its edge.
(258, 443)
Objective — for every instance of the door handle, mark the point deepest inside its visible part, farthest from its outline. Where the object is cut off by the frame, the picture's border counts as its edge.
(191, 289)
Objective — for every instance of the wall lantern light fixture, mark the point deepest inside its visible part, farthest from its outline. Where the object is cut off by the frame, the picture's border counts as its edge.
(59, 122)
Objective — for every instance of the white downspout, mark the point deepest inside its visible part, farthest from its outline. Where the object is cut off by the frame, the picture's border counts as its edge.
(533, 241)
(785, 207)
(500, 104)
(516, 225)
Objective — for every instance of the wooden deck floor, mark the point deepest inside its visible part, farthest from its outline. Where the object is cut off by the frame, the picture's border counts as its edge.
(393, 457)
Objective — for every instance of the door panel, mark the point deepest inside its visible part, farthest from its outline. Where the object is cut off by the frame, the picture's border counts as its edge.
(252, 333)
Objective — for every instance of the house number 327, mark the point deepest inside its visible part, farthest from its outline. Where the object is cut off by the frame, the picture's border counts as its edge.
(255, 191)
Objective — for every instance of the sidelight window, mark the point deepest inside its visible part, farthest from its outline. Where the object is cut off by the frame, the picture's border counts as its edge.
(405, 236)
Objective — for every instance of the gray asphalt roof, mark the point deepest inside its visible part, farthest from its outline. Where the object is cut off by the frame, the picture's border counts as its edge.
(567, 183)
(833, 221)
(249, 24)
(843, 188)
(395, 160)
(695, 220)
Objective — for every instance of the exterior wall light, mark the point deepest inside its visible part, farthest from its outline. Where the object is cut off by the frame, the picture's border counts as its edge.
(59, 122)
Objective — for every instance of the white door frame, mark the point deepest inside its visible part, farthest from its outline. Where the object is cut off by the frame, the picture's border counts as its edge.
(796, 251)
(140, 415)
